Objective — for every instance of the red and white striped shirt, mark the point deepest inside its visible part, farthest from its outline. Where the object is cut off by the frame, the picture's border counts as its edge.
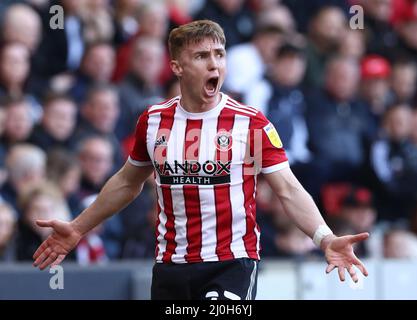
(205, 171)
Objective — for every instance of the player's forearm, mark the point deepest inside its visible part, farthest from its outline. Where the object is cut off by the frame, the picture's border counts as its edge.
(117, 193)
(296, 201)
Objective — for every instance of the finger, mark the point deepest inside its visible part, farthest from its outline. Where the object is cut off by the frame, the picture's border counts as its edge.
(51, 258)
(330, 268)
(359, 237)
(42, 257)
(60, 258)
(45, 223)
(41, 249)
(341, 273)
(361, 267)
(353, 274)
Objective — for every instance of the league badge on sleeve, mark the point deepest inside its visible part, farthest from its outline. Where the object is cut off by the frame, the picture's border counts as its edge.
(273, 135)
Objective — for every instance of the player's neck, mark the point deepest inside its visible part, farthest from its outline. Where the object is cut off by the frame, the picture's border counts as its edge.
(198, 105)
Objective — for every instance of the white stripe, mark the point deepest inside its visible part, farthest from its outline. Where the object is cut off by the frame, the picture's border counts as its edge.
(153, 126)
(139, 163)
(258, 235)
(237, 197)
(240, 105)
(252, 281)
(163, 106)
(175, 148)
(240, 110)
(178, 205)
(161, 242)
(175, 151)
(207, 199)
(276, 167)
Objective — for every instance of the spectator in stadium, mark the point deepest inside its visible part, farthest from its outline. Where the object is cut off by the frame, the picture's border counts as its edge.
(353, 44)
(97, 66)
(43, 202)
(233, 15)
(14, 69)
(23, 25)
(406, 29)
(260, 51)
(381, 36)
(125, 23)
(26, 166)
(183, 249)
(97, 21)
(19, 123)
(95, 154)
(141, 87)
(281, 16)
(57, 125)
(61, 49)
(337, 126)
(404, 80)
(280, 97)
(153, 19)
(100, 114)
(394, 162)
(326, 32)
(64, 170)
(375, 88)
(8, 221)
(358, 212)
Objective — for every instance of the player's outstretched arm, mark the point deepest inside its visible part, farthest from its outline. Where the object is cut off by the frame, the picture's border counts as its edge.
(300, 207)
(117, 193)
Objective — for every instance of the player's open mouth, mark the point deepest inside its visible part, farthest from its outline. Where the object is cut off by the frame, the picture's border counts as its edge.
(211, 85)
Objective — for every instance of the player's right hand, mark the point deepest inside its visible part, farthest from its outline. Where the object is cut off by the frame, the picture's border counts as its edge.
(55, 248)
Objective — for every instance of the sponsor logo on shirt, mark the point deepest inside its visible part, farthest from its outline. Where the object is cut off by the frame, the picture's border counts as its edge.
(161, 141)
(223, 140)
(194, 172)
(273, 135)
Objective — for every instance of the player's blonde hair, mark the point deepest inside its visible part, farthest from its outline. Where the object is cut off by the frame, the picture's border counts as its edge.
(194, 32)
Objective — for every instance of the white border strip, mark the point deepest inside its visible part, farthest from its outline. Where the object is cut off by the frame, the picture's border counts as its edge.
(139, 163)
(276, 167)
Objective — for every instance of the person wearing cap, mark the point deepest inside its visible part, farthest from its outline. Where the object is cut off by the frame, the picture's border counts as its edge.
(358, 212)
(375, 88)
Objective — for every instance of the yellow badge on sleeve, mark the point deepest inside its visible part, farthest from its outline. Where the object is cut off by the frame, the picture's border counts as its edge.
(273, 135)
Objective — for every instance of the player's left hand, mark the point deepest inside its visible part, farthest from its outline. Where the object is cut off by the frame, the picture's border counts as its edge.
(339, 254)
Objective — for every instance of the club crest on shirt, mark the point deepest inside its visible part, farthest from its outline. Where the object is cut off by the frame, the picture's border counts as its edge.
(161, 141)
(223, 140)
(273, 135)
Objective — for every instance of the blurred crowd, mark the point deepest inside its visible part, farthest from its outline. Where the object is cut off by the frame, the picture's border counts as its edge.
(344, 101)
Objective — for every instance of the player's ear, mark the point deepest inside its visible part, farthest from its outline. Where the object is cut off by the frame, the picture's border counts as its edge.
(176, 67)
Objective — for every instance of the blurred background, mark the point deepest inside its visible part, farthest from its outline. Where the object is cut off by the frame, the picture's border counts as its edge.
(344, 100)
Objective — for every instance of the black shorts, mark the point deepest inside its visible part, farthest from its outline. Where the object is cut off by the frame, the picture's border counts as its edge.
(225, 280)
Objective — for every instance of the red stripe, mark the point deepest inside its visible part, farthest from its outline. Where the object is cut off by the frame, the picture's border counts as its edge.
(191, 194)
(250, 239)
(222, 194)
(165, 126)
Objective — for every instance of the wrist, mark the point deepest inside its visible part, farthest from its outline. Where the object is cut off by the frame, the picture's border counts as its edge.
(77, 228)
(322, 232)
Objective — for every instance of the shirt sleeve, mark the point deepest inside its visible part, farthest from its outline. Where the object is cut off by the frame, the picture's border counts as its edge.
(268, 151)
(139, 155)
